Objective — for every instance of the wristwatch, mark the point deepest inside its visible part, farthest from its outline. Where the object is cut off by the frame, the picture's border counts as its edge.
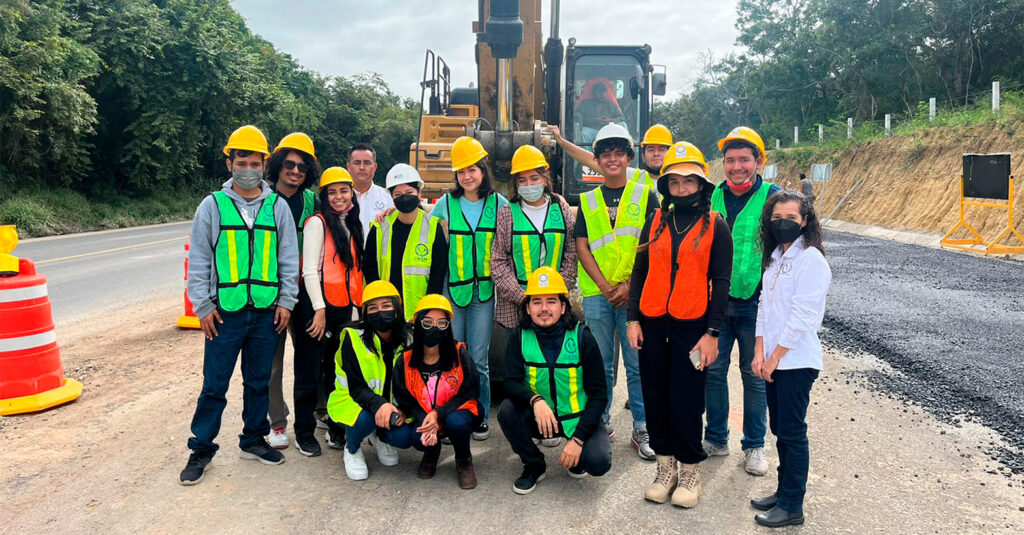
(713, 332)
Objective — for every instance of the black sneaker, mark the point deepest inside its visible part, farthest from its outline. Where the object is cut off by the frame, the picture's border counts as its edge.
(528, 481)
(481, 432)
(335, 438)
(263, 453)
(194, 469)
(307, 445)
(577, 472)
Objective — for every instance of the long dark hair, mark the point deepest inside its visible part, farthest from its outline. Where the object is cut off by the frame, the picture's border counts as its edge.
(485, 188)
(568, 320)
(812, 234)
(352, 225)
(399, 328)
(544, 172)
(276, 163)
(447, 348)
(703, 211)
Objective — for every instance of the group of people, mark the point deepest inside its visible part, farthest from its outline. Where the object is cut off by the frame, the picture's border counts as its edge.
(390, 309)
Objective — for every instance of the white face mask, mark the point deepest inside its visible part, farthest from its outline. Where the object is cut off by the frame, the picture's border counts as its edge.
(531, 193)
(247, 178)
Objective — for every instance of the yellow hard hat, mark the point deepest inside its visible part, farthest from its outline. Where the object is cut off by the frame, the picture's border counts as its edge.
(683, 158)
(432, 301)
(333, 175)
(545, 280)
(378, 289)
(248, 138)
(528, 157)
(746, 135)
(657, 135)
(466, 151)
(297, 141)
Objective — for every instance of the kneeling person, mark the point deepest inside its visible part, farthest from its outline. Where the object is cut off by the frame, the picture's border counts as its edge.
(551, 344)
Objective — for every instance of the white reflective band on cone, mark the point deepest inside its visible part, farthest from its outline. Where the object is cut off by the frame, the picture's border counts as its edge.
(23, 294)
(28, 342)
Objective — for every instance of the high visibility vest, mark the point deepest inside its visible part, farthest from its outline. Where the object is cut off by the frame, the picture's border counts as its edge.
(614, 249)
(448, 384)
(469, 252)
(531, 248)
(246, 258)
(642, 177)
(560, 383)
(686, 296)
(340, 405)
(339, 285)
(308, 209)
(746, 241)
(416, 257)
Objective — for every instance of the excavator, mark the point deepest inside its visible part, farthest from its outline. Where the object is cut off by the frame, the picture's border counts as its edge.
(519, 92)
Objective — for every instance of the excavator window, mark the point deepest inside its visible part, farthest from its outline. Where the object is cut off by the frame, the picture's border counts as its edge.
(602, 95)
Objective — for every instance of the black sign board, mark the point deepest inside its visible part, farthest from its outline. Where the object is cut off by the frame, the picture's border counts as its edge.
(987, 176)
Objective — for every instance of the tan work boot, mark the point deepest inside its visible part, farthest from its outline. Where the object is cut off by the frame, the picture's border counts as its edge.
(688, 489)
(664, 480)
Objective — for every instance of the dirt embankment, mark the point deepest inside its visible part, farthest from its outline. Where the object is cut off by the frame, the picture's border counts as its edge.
(904, 182)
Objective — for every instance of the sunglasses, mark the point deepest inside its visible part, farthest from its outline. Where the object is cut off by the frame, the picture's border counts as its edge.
(427, 323)
(289, 165)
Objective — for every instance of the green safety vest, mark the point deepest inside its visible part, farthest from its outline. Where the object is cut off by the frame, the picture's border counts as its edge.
(308, 209)
(642, 177)
(531, 248)
(416, 257)
(340, 405)
(469, 252)
(246, 258)
(614, 249)
(561, 383)
(746, 242)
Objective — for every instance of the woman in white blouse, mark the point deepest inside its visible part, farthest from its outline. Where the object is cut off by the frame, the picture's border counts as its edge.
(787, 352)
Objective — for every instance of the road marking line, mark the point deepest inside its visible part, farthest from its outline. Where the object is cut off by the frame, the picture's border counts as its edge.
(114, 250)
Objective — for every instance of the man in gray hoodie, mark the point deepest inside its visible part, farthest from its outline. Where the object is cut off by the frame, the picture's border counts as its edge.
(244, 268)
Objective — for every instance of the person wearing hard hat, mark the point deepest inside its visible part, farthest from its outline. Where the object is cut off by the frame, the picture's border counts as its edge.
(373, 199)
(555, 383)
(740, 199)
(332, 280)
(470, 213)
(243, 284)
(674, 320)
(407, 247)
(436, 383)
(363, 397)
(534, 230)
(293, 169)
(653, 147)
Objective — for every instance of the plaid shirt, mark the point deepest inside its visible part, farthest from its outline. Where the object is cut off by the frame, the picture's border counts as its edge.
(510, 295)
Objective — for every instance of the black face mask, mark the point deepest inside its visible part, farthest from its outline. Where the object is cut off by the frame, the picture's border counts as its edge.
(785, 230)
(407, 203)
(381, 321)
(686, 202)
(432, 336)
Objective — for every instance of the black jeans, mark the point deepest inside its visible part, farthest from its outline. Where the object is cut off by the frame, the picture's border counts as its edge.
(457, 426)
(788, 397)
(520, 428)
(673, 389)
(314, 363)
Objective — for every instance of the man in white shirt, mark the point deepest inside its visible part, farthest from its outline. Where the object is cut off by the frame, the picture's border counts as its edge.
(362, 165)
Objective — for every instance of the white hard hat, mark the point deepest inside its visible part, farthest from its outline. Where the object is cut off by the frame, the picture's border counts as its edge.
(613, 130)
(403, 173)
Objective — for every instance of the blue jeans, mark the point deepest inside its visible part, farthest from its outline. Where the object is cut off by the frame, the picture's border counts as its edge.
(788, 396)
(398, 436)
(740, 321)
(603, 319)
(251, 332)
(473, 324)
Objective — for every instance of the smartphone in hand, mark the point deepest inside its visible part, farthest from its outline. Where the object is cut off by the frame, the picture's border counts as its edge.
(695, 359)
(395, 418)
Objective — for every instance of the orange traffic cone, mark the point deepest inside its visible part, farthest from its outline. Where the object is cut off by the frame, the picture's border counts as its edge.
(188, 320)
(31, 374)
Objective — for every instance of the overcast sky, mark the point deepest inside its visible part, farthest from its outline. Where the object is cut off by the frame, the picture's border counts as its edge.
(390, 37)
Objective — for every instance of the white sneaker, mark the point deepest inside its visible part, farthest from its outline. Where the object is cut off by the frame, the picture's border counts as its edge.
(713, 450)
(755, 462)
(355, 466)
(386, 453)
(278, 438)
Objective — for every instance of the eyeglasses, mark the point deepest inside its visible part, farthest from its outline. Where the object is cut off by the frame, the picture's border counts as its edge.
(427, 323)
(289, 165)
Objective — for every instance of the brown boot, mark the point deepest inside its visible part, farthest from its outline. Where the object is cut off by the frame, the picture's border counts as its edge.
(467, 474)
(688, 489)
(664, 480)
(428, 465)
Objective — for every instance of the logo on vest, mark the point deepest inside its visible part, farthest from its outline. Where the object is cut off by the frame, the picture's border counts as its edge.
(633, 209)
(570, 345)
(421, 250)
(489, 212)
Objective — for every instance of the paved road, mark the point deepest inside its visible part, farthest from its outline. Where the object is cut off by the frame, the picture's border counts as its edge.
(97, 271)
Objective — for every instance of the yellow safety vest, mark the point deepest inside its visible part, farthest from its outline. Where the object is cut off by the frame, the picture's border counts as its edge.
(340, 405)
(416, 257)
(614, 248)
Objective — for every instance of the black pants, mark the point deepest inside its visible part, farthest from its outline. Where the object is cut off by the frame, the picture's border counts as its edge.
(788, 397)
(520, 428)
(673, 389)
(314, 362)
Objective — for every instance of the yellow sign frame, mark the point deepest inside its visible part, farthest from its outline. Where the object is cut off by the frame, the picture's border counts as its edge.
(992, 246)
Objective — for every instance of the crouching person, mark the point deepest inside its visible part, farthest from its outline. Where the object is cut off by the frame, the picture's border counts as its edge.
(551, 345)
(436, 382)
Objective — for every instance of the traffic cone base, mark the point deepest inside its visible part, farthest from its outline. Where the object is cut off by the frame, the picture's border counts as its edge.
(188, 322)
(69, 391)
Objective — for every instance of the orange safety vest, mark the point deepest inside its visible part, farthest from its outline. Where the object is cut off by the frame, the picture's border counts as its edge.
(340, 285)
(447, 385)
(686, 297)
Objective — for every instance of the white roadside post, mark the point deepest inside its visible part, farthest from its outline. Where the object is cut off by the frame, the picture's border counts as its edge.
(995, 97)
(849, 128)
(888, 123)
(796, 135)
(931, 109)
(821, 133)
(778, 143)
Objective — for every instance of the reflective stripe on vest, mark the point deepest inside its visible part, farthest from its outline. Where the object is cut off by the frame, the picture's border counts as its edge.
(687, 296)
(561, 383)
(614, 249)
(416, 257)
(643, 178)
(448, 384)
(469, 252)
(340, 405)
(339, 285)
(245, 258)
(746, 242)
(531, 248)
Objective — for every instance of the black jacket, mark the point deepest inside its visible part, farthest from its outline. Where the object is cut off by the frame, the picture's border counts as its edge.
(468, 390)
